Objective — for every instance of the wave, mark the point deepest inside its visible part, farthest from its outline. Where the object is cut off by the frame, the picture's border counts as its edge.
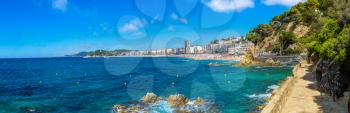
(259, 96)
(264, 95)
(273, 87)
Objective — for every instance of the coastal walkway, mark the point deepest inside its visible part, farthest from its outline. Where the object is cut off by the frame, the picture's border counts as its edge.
(299, 95)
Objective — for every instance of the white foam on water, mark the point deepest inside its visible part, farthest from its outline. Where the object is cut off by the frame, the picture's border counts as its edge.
(265, 95)
(273, 87)
(259, 96)
(163, 107)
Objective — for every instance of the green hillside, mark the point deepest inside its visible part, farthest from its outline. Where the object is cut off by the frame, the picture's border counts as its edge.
(319, 28)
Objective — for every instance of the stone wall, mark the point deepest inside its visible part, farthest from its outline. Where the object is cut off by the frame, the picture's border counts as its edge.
(279, 96)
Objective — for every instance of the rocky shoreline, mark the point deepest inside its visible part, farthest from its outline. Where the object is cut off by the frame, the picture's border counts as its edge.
(249, 60)
(176, 103)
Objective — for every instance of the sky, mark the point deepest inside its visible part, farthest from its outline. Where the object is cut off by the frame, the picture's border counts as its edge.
(51, 28)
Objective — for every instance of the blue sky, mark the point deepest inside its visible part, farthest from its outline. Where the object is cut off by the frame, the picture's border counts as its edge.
(47, 28)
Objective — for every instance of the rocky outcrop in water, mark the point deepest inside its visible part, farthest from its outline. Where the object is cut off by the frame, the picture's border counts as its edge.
(120, 108)
(271, 62)
(150, 98)
(248, 59)
(177, 103)
(199, 101)
(177, 100)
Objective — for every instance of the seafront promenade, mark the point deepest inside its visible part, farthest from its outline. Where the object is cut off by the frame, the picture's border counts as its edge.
(298, 94)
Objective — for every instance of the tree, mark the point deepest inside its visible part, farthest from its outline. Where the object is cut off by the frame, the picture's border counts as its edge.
(264, 30)
(343, 11)
(327, 38)
(286, 39)
(259, 33)
(340, 46)
(325, 4)
(331, 42)
(254, 37)
(306, 12)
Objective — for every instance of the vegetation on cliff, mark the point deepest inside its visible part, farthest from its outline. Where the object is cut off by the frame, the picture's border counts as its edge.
(108, 53)
(117, 52)
(328, 35)
(320, 28)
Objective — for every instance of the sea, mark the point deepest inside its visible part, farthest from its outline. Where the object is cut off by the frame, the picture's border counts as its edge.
(94, 85)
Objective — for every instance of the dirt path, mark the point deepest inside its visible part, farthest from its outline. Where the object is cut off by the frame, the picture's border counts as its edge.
(304, 98)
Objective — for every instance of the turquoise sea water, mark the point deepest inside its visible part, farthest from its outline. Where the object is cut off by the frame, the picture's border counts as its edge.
(94, 85)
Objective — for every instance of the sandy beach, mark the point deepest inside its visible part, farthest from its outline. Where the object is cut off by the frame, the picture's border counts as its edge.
(214, 57)
(298, 94)
(191, 56)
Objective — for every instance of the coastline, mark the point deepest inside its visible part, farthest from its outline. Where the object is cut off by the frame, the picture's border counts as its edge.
(213, 57)
(298, 94)
(279, 96)
(190, 56)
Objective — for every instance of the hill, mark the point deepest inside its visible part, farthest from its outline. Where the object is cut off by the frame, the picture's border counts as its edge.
(318, 28)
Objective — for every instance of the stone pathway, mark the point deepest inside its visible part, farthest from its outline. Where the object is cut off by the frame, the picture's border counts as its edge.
(304, 98)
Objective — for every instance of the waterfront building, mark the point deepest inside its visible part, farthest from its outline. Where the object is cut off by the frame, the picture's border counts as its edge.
(198, 50)
(187, 47)
(240, 47)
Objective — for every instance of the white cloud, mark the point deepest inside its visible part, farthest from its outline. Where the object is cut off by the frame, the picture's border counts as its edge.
(175, 17)
(60, 5)
(229, 5)
(282, 2)
(132, 26)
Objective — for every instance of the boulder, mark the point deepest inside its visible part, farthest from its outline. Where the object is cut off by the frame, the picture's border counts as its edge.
(120, 108)
(248, 59)
(183, 111)
(178, 100)
(271, 62)
(135, 108)
(199, 101)
(150, 98)
(260, 108)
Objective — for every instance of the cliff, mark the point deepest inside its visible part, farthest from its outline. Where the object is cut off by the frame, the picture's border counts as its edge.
(319, 28)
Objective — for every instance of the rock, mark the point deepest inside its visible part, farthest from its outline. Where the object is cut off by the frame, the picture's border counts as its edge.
(199, 101)
(150, 98)
(120, 108)
(260, 108)
(301, 30)
(183, 111)
(178, 100)
(271, 62)
(248, 59)
(135, 108)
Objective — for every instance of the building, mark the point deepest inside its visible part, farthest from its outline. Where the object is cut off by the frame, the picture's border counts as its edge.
(187, 47)
(240, 47)
(198, 50)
